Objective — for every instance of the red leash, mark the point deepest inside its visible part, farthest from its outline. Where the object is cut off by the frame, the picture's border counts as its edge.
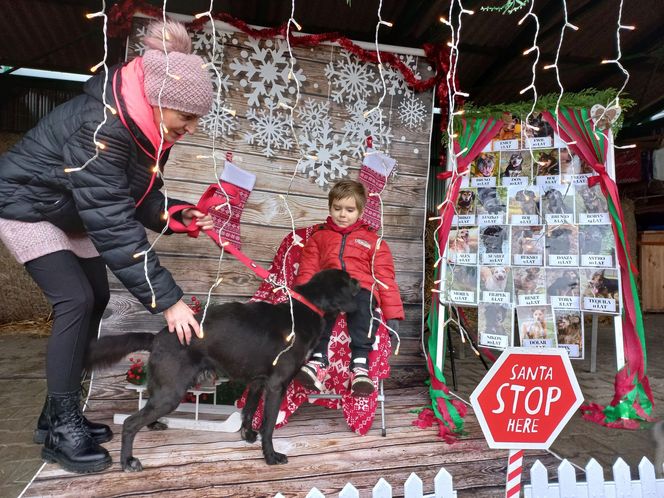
(207, 202)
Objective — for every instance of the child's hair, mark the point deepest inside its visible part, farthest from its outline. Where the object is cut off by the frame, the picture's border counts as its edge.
(344, 189)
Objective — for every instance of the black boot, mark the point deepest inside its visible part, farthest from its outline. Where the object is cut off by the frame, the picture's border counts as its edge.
(68, 441)
(100, 433)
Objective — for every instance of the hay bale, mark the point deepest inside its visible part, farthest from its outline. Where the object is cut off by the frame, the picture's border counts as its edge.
(20, 299)
(631, 235)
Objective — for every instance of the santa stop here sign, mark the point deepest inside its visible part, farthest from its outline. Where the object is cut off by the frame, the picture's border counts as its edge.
(526, 398)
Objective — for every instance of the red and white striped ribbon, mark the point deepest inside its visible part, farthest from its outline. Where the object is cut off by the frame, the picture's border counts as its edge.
(514, 468)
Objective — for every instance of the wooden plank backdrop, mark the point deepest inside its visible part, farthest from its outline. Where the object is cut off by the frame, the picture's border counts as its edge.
(264, 223)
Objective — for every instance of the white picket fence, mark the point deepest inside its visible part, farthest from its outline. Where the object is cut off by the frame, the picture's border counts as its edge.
(622, 486)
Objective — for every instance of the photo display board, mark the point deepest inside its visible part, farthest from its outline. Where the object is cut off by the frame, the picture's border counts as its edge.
(530, 234)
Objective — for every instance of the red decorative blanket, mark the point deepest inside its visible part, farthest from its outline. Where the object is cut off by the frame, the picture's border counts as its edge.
(358, 412)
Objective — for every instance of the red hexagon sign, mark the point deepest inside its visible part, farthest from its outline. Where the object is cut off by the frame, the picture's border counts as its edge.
(526, 398)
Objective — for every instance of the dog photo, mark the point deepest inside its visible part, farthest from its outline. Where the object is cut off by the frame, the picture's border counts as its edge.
(591, 206)
(538, 133)
(496, 284)
(573, 169)
(558, 204)
(491, 206)
(462, 245)
(569, 331)
(527, 247)
(494, 245)
(536, 328)
(524, 205)
(460, 284)
(562, 287)
(509, 136)
(597, 244)
(465, 207)
(494, 325)
(562, 245)
(529, 285)
(484, 169)
(516, 168)
(600, 290)
(547, 167)
(241, 342)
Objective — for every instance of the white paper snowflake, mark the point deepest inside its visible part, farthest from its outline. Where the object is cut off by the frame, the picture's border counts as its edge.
(312, 114)
(265, 71)
(394, 80)
(271, 128)
(202, 41)
(138, 47)
(324, 155)
(359, 127)
(412, 112)
(351, 79)
(219, 116)
(223, 80)
(202, 45)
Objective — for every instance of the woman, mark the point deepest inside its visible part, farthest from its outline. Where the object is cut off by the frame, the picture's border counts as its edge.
(66, 224)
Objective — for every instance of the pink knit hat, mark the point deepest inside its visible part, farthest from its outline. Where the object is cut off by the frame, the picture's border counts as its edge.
(190, 90)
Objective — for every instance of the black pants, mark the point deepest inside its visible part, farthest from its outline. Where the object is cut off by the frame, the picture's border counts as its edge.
(358, 328)
(78, 291)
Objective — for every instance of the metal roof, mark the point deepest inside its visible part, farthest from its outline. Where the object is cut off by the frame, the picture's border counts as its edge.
(52, 34)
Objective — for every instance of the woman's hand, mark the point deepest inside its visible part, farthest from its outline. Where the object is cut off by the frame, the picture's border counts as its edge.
(180, 318)
(202, 220)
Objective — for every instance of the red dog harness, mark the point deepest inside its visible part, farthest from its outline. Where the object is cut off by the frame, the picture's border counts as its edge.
(211, 198)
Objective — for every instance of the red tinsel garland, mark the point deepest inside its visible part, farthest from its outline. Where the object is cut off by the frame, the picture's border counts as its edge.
(121, 14)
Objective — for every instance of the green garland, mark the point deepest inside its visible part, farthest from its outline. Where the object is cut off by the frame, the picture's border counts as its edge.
(509, 7)
(580, 100)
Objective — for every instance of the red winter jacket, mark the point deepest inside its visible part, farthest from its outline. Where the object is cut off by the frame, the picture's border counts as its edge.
(351, 249)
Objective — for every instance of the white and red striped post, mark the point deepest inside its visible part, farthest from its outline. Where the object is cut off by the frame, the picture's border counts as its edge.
(514, 468)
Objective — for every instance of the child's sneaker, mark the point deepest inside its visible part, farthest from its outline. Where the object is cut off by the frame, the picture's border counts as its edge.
(360, 383)
(312, 374)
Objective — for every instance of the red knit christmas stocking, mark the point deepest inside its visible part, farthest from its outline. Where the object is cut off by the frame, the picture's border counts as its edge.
(375, 170)
(237, 184)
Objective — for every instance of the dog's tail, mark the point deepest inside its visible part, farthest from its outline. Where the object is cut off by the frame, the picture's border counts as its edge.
(109, 350)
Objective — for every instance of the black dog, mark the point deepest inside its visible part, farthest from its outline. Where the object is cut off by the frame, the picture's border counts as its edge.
(540, 128)
(241, 341)
(592, 201)
(547, 164)
(528, 202)
(494, 315)
(601, 286)
(590, 240)
(493, 238)
(559, 240)
(555, 202)
(565, 285)
(488, 198)
(515, 165)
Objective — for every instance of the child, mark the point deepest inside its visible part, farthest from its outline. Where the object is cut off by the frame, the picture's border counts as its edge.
(347, 243)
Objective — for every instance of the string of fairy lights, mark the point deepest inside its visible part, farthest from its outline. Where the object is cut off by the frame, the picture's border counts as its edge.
(375, 318)
(453, 112)
(99, 146)
(226, 200)
(448, 203)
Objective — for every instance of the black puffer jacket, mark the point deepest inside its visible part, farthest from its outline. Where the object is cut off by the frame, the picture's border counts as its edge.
(100, 199)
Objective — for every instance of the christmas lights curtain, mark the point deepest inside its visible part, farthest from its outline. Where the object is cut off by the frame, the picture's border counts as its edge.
(633, 399)
(474, 135)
